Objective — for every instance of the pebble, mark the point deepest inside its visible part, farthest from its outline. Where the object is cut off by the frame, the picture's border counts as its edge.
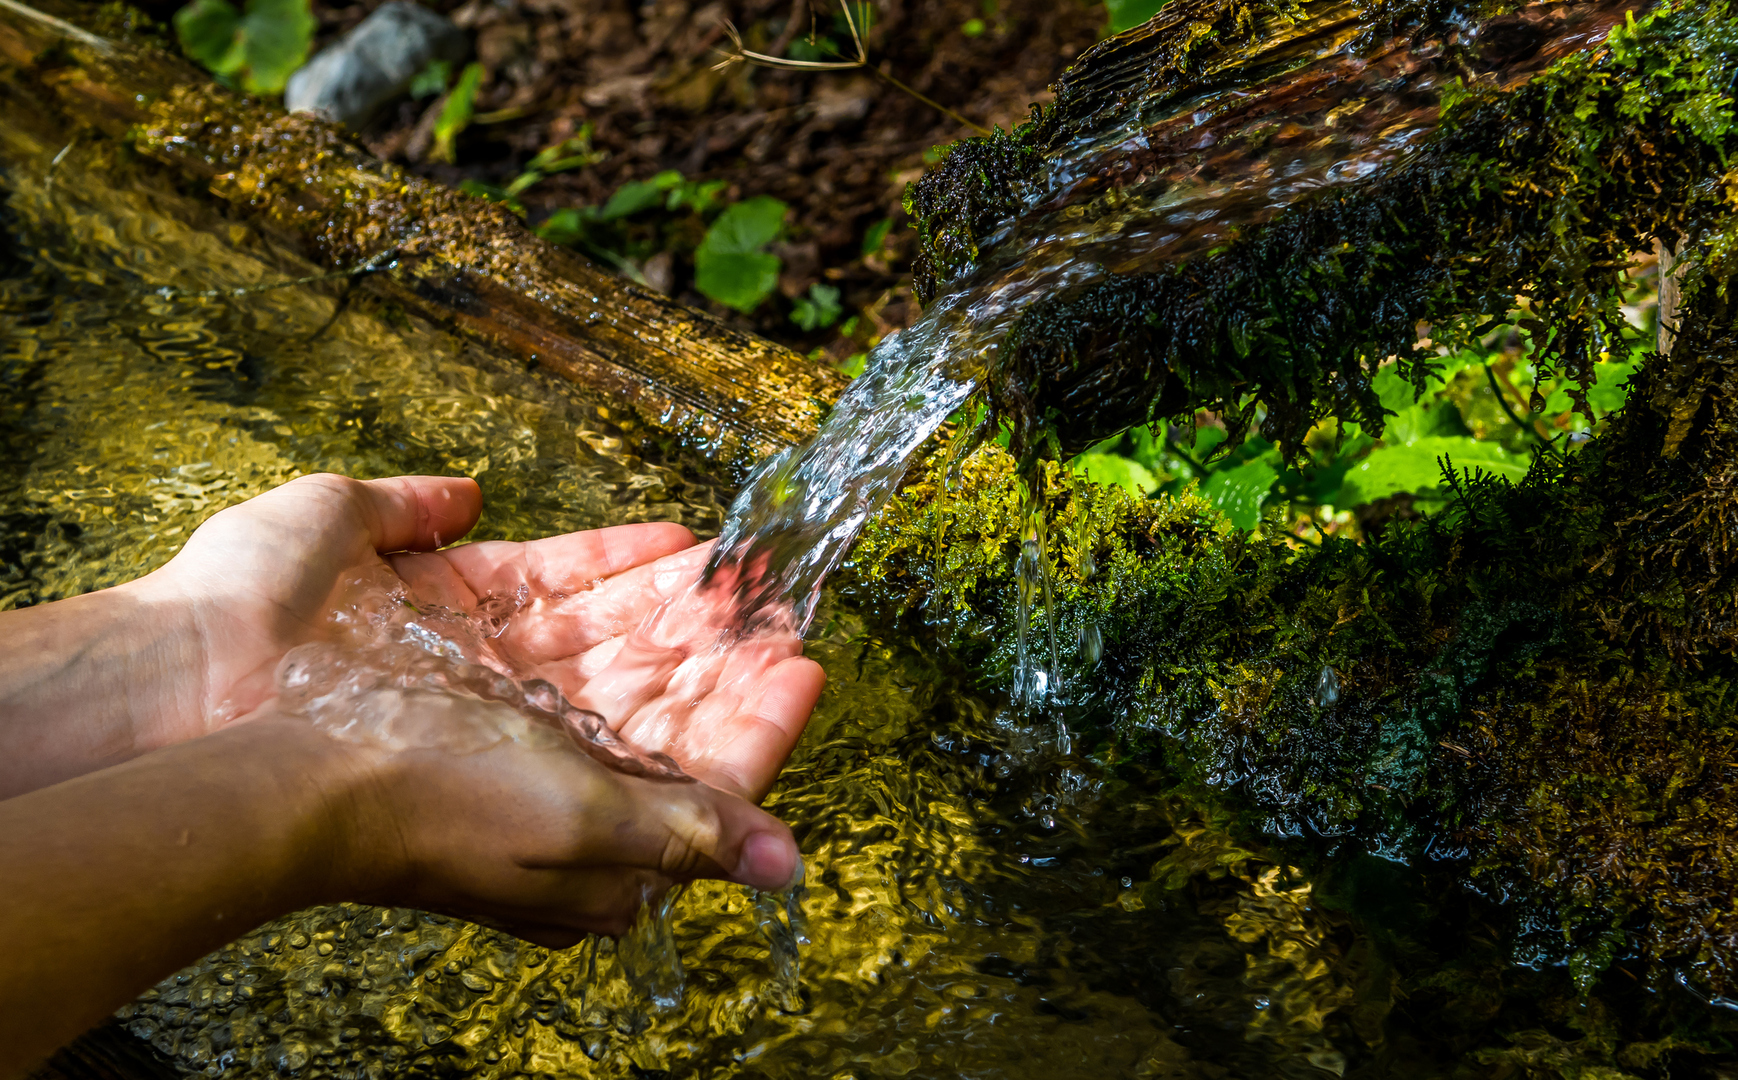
(374, 63)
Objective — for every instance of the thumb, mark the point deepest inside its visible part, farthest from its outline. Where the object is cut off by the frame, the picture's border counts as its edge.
(685, 831)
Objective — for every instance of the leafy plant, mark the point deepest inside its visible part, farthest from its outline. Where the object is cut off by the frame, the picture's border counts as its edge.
(260, 47)
(1466, 420)
(1127, 14)
(571, 153)
(456, 114)
(876, 237)
(730, 265)
(820, 308)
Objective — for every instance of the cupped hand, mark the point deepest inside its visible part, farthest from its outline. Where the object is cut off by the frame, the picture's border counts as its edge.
(542, 841)
(259, 577)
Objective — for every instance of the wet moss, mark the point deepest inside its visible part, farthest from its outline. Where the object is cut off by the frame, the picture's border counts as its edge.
(1541, 191)
(1532, 692)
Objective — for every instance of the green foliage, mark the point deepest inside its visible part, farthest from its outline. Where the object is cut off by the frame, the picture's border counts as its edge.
(876, 237)
(1458, 422)
(1114, 470)
(432, 80)
(456, 114)
(1541, 191)
(260, 47)
(639, 219)
(730, 265)
(1127, 14)
(819, 308)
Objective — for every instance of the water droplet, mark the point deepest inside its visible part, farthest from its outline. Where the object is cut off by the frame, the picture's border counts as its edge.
(1327, 687)
(1091, 643)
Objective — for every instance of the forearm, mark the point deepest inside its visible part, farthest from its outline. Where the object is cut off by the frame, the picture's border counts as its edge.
(84, 683)
(116, 879)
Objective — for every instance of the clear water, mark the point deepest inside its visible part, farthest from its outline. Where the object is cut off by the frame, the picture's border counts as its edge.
(982, 900)
(985, 897)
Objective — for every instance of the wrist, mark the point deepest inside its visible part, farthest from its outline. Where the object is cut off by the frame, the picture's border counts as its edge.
(89, 682)
(345, 843)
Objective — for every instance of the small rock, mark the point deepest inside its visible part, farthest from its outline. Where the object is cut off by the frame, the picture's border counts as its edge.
(374, 63)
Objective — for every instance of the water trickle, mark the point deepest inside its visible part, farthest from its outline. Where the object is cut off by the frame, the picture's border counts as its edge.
(649, 956)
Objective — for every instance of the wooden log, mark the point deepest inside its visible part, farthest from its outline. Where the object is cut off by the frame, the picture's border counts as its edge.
(73, 80)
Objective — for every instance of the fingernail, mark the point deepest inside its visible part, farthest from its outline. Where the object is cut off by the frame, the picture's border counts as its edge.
(769, 863)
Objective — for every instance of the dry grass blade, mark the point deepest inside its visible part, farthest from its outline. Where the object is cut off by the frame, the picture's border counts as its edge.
(740, 54)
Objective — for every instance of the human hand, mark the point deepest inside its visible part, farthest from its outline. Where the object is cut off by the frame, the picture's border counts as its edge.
(665, 664)
(533, 837)
(261, 577)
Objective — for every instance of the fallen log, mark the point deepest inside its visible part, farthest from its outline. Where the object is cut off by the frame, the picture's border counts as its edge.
(93, 96)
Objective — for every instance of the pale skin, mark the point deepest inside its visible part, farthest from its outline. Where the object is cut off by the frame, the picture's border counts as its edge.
(156, 806)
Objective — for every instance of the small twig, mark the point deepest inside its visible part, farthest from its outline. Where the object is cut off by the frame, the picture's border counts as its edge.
(1503, 400)
(743, 55)
(375, 263)
(66, 29)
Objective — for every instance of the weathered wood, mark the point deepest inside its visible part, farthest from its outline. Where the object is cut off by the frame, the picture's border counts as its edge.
(455, 259)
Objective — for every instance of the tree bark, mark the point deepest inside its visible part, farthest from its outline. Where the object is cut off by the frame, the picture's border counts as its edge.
(91, 103)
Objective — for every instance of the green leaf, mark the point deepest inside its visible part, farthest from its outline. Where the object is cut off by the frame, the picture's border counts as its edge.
(1611, 386)
(207, 29)
(1424, 422)
(876, 237)
(456, 114)
(1241, 491)
(432, 80)
(278, 34)
(1125, 14)
(1414, 467)
(1114, 470)
(819, 308)
(637, 195)
(735, 278)
(747, 226)
(566, 226)
(729, 265)
(264, 45)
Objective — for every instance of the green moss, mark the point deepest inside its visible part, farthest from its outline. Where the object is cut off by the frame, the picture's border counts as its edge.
(1542, 191)
(1533, 691)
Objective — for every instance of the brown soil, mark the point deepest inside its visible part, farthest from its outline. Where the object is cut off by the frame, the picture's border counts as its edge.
(838, 146)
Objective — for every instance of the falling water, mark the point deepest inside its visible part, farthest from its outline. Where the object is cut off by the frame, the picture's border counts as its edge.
(1311, 107)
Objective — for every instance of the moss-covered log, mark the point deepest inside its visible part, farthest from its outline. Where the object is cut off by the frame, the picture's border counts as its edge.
(1534, 694)
(120, 106)
(1531, 179)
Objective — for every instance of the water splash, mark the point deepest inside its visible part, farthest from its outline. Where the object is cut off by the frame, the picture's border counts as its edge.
(402, 676)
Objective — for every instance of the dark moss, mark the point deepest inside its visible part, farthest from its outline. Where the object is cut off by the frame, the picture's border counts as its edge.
(1534, 690)
(1542, 191)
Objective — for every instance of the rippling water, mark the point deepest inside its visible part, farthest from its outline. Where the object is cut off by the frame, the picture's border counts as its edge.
(981, 901)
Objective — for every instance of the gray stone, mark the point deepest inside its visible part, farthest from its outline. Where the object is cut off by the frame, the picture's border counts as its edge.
(374, 63)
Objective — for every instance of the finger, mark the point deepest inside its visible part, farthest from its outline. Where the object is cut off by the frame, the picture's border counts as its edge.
(688, 831)
(417, 513)
(567, 564)
(431, 579)
(764, 731)
(563, 628)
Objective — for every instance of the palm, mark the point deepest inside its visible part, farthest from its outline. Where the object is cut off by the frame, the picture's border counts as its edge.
(727, 708)
(263, 573)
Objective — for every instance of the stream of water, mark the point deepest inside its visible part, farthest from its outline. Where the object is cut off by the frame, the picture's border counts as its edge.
(1307, 109)
(978, 902)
